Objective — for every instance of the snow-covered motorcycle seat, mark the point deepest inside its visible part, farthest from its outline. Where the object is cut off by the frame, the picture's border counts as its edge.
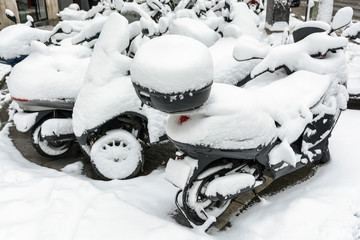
(52, 73)
(238, 118)
(15, 40)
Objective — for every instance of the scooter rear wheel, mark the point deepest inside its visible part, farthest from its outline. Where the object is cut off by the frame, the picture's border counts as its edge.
(116, 155)
(50, 149)
(197, 205)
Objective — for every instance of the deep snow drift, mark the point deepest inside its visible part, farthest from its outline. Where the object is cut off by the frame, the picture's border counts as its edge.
(41, 203)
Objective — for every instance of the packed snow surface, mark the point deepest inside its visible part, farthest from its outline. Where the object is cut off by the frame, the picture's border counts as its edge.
(237, 118)
(50, 73)
(39, 203)
(172, 63)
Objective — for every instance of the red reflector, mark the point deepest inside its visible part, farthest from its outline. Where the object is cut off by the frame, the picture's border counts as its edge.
(183, 119)
(19, 99)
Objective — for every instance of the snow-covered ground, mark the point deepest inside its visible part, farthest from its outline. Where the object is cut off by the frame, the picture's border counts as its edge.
(41, 203)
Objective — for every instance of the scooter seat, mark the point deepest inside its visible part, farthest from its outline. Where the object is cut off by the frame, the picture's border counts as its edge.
(237, 118)
(49, 73)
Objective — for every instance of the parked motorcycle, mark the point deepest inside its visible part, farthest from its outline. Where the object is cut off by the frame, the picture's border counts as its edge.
(109, 121)
(15, 40)
(44, 86)
(230, 138)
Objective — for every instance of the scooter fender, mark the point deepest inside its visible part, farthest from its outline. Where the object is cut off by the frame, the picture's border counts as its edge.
(25, 121)
(178, 171)
(57, 127)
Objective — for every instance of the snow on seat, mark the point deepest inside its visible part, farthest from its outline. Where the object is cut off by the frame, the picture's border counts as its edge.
(247, 118)
(15, 40)
(49, 73)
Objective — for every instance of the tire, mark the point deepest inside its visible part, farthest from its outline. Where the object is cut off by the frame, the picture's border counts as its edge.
(45, 148)
(325, 157)
(116, 155)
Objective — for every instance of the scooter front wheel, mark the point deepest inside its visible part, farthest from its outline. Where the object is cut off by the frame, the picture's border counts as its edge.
(50, 149)
(116, 155)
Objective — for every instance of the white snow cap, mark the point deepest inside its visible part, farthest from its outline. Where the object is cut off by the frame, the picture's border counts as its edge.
(247, 48)
(172, 63)
(116, 27)
(342, 17)
(194, 28)
(15, 40)
(297, 56)
(9, 12)
(49, 73)
(351, 31)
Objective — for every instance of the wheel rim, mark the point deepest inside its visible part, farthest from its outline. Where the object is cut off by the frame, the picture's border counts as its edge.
(116, 155)
(47, 148)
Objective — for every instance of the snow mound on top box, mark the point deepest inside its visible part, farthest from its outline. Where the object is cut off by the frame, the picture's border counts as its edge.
(172, 63)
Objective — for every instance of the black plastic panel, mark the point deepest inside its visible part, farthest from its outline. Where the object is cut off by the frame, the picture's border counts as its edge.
(173, 102)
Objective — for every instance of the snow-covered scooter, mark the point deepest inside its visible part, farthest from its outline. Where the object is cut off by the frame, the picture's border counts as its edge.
(229, 138)
(110, 122)
(44, 86)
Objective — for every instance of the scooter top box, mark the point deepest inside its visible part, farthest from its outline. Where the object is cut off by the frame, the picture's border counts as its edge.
(172, 73)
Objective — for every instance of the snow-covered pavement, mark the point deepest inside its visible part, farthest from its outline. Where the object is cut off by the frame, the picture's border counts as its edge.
(41, 203)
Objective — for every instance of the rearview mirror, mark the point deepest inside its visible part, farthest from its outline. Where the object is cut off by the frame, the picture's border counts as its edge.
(342, 18)
(249, 48)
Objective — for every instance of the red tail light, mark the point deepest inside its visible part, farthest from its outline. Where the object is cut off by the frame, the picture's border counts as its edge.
(19, 99)
(183, 119)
